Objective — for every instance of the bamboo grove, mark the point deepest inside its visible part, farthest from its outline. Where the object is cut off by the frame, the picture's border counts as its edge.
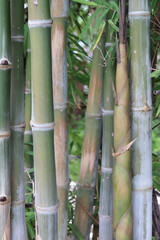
(91, 61)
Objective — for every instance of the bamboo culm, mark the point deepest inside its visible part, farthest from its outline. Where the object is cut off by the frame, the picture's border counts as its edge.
(28, 159)
(90, 152)
(122, 180)
(106, 194)
(5, 69)
(46, 203)
(18, 224)
(139, 18)
(59, 13)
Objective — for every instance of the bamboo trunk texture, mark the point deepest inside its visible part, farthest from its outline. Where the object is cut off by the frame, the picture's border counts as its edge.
(139, 17)
(18, 224)
(46, 203)
(59, 13)
(5, 69)
(28, 159)
(106, 194)
(90, 152)
(122, 181)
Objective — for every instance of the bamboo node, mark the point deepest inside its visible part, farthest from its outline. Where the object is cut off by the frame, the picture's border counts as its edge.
(18, 203)
(94, 115)
(60, 106)
(21, 126)
(105, 216)
(108, 170)
(139, 13)
(109, 44)
(18, 38)
(41, 126)
(5, 134)
(40, 23)
(47, 210)
(146, 108)
(107, 112)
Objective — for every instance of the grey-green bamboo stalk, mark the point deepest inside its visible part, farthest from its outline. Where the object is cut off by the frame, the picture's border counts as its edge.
(139, 16)
(90, 152)
(106, 195)
(18, 224)
(46, 204)
(28, 159)
(59, 13)
(5, 66)
(122, 181)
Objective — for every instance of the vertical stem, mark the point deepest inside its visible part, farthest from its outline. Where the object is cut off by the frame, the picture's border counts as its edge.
(90, 152)
(46, 203)
(18, 224)
(122, 182)
(106, 195)
(59, 13)
(28, 159)
(139, 16)
(5, 66)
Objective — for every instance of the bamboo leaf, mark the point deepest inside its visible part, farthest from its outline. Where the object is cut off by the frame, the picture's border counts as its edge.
(86, 2)
(98, 36)
(75, 231)
(97, 12)
(113, 25)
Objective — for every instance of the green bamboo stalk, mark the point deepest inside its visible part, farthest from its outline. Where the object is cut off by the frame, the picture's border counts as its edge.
(5, 66)
(122, 182)
(28, 160)
(59, 13)
(46, 203)
(106, 195)
(18, 224)
(139, 15)
(90, 152)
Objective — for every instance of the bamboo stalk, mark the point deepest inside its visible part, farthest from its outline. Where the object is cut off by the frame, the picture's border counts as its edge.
(59, 13)
(18, 224)
(5, 69)
(122, 182)
(90, 152)
(28, 159)
(106, 195)
(46, 204)
(139, 16)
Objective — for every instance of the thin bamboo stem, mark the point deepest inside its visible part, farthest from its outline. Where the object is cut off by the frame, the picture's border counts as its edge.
(90, 152)
(106, 195)
(18, 224)
(122, 182)
(28, 159)
(5, 69)
(59, 13)
(139, 16)
(46, 204)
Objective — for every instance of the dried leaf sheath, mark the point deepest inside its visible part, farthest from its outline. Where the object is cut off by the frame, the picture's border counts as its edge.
(5, 70)
(59, 13)
(122, 182)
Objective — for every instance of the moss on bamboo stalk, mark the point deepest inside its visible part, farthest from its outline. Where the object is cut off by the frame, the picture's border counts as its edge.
(46, 204)
(59, 13)
(122, 182)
